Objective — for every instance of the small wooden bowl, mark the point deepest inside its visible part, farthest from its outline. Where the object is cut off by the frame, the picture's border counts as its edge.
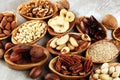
(24, 66)
(100, 56)
(78, 20)
(110, 64)
(34, 41)
(35, 18)
(67, 77)
(53, 33)
(116, 33)
(57, 52)
(2, 38)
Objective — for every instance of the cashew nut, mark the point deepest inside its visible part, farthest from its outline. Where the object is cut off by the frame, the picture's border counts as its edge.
(53, 43)
(85, 37)
(65, 50)
(60, 47)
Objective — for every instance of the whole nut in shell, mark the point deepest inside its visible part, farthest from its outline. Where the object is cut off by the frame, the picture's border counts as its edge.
(51, 76)
(63, 4)
(110, 21)
(35, 72)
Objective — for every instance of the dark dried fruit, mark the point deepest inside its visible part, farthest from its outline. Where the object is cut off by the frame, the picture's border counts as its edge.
(15, 57)
(51, 76)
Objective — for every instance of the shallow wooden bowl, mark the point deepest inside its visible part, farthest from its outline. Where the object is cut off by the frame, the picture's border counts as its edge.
(53, 33)
(103, 56)
(34, 41)
(24, 66)
(78, 20)
(68, 77)
(2, 38)
(35, 18)
(78, 51)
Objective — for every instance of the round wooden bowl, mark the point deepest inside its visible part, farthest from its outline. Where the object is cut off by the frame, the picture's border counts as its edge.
(2, 38)
(78, 20)
(53, 33)
(75, 35)
(110, 64)
(102, 58)
(67, 77)
(35, 18)
(116, 33)
(24, 66)
(14, 32)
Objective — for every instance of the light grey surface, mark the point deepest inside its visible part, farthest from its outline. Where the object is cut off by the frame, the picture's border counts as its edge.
(98, 8)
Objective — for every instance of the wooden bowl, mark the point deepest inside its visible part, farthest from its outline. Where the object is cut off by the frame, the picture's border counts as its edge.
(15, 31)
(15, 19)
(24, 66)
(102, 51)
(110, 64)
(116, 33)
(53, 33)
(78, 49)
(23, 5)
(68, 77)
(78, 21)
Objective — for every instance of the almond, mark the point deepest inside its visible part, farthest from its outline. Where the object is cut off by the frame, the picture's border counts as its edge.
(2, 35)
(7, 26)
(6, 32)
(1, 16)
(13, 25)
(3, 22)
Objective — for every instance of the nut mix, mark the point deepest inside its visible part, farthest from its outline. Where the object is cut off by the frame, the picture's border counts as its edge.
(91, 27)
(29, 31)
(36, 9)
(7, 23)
(108, 71)
(73, 65)
(72, 43)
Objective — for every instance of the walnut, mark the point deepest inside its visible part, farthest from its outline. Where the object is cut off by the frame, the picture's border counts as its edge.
(63, 4)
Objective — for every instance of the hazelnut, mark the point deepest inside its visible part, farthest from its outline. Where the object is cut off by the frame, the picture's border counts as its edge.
(35, 72)
(8, 45)
(51, 76)
(110, 21)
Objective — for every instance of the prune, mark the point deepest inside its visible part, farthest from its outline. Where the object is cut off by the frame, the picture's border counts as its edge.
(36, 52)
(21, 48)
(15, 57)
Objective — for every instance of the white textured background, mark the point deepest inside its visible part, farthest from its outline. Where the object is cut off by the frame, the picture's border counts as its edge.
(98, 8)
